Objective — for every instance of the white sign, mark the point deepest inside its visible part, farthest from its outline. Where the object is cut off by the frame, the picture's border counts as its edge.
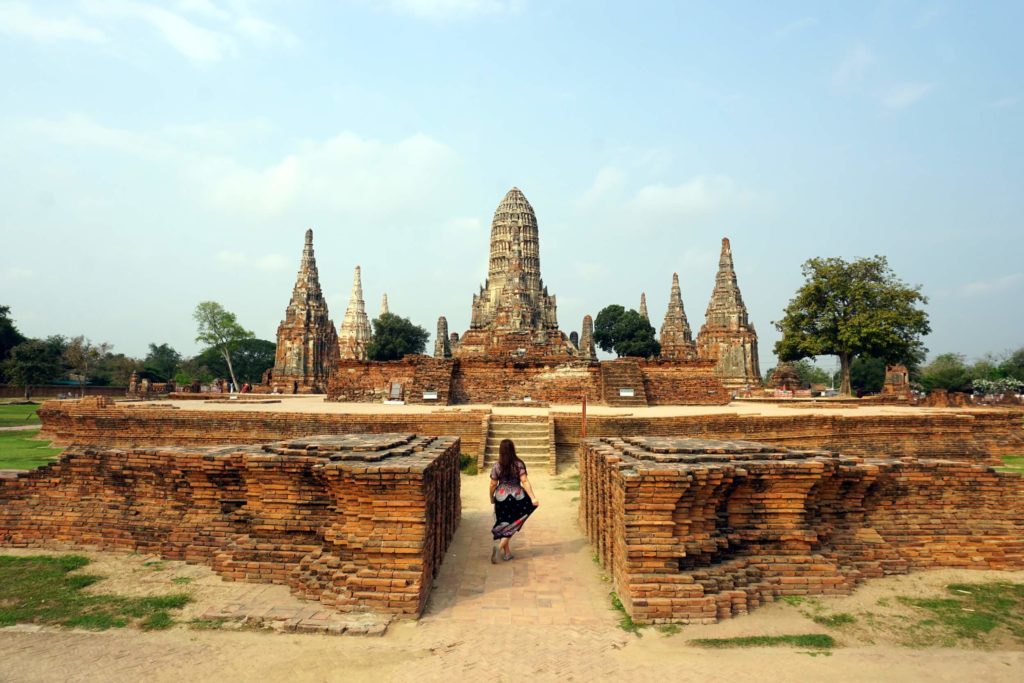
(626, 392)
(429, 395)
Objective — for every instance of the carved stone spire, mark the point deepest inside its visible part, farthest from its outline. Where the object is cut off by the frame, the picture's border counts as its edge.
(643, 306)
(727, 336)
(355, 328)
(384, 304)
(307, 343)
(442, 347)
(513, 314)
(676, 337)
(587, 348)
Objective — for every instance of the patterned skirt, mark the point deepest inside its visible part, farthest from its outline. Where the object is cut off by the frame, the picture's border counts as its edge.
(512, 506)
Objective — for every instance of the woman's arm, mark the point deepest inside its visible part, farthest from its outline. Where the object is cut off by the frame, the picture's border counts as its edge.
(524, 481)
(494, 486)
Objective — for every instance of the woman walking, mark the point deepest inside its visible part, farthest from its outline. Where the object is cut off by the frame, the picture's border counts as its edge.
(512, 496)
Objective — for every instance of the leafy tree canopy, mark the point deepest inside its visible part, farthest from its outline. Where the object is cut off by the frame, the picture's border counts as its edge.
(33, 362)
(82, 357)
(9, 334)
(218, 328)
(395, 337)
(625, 332)
(947, 371)
(161, 363)
(250, 358)
(849, 309)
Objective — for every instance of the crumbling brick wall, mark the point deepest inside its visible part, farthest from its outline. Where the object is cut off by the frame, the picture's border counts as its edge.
(357, 522)
(90, 422)
(692, 382)
(977, 435)
(695, 531)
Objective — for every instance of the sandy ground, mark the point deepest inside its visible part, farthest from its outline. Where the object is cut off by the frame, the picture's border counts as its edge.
(317, 404)
(544, 616)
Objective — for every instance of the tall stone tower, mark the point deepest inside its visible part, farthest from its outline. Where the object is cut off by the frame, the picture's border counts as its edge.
(442, 344)
(384, 304)
(727, 336)
(676, 338)
(513, 314)
(307, 344)
(587, 349)
(643, 306)
(355, 328)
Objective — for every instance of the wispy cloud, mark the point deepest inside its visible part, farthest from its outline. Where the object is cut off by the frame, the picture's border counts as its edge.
(1004, 102)
(857, 61)
(904, 95)
(16, 274)
(21, 19)
(446, 9)
(794, 27)
(699, 196)
(1001, 284)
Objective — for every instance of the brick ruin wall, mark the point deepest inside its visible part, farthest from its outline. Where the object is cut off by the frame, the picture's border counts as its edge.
(489, 381)
(682, 383)
(356, 535)
(100, 422)
(707, 538)
(977, 435)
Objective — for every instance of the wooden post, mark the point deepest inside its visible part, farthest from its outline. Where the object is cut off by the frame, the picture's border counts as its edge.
(583, 428)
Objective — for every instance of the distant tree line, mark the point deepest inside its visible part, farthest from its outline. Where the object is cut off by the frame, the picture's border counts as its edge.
(80, 362)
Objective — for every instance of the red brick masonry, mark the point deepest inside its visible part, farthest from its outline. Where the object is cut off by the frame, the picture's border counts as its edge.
(358, 522)
(696, 530)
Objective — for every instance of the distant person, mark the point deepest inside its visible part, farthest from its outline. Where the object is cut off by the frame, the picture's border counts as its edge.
(512, 496)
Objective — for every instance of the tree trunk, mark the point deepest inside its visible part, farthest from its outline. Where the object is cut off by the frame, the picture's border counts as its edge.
(844, 373)
(231, 370)
(28, 392)
(81, 387)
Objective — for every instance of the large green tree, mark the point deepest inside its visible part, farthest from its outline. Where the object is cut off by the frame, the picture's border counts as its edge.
(851, 309)
(9, 334)
(218, 329)
(161, 363)
(251, 358)
(33, 362)
(82, 357)
(625, 332)
(947, 371)
(395, 337)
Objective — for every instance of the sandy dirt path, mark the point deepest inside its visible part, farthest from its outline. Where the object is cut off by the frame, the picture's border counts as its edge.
(545, 616)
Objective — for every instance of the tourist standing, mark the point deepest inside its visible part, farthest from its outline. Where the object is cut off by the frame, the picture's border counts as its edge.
(513, 498)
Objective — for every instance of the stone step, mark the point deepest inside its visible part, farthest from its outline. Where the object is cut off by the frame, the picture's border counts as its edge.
(533, 438)
(509, 429)
(532, 450)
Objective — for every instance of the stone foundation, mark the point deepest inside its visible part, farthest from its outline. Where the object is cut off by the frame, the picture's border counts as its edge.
(694, 531)
(360, 523)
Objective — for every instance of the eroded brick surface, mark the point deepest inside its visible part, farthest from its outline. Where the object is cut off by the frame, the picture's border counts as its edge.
(696, 530)
(358, 522)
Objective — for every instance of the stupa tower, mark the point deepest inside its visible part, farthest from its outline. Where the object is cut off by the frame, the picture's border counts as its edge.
(727, 336)
(643, 306)
(676, 337)
(513, 314)
(355, 327)
(307, 344)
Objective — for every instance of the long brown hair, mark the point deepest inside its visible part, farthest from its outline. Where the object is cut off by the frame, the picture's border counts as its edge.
(507, 459)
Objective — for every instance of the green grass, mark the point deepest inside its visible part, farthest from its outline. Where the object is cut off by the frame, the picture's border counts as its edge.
(1012, 463)
(207, 624)
(467, 465)
(818, 641)
(181, 580)
(41, 590)
(569, 483)
(17, 415)
(971, 611)
(20, 451)
(669, 629)
(834, 620)
(626, 622)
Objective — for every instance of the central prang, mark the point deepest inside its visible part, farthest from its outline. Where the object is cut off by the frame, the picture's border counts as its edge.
(513, 315)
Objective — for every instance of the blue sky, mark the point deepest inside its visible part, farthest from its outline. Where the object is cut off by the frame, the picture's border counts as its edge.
(159, 154)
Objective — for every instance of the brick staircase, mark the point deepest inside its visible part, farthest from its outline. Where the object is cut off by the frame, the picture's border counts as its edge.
(623, 373)
(530, 438)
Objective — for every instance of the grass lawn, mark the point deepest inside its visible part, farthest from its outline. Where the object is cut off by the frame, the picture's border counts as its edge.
(42, 590)
(20, 451)
(1012, 463)
(18, 415)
